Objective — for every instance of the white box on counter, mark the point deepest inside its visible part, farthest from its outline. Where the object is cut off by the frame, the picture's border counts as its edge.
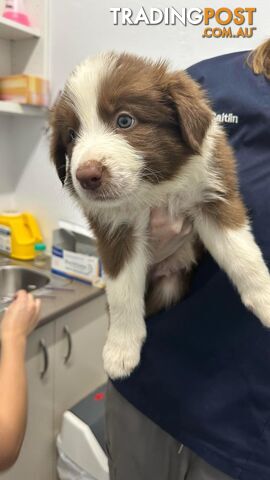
(74, 254)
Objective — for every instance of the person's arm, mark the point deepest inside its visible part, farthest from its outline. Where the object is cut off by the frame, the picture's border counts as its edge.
(19, 320)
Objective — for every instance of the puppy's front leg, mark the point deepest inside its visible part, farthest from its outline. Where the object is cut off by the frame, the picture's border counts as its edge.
(125, 292)
(235, 250)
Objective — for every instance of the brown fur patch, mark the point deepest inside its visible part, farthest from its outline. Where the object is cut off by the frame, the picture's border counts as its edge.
(229, 212)
(154, 298)
(62, 118)
(194, 113)
(116, 248)
(154, 98)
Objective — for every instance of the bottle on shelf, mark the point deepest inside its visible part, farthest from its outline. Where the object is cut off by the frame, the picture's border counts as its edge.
(15, 10)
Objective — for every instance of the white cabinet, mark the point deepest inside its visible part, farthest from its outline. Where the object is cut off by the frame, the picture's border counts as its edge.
(64, 363)
(80, 336)
(36, 460)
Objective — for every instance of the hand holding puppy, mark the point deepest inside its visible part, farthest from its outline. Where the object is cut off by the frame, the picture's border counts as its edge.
(166, 235)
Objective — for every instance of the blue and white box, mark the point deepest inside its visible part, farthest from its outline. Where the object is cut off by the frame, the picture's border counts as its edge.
(74, 253)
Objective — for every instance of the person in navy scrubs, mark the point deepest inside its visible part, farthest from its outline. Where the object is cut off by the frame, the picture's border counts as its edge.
(198, 406)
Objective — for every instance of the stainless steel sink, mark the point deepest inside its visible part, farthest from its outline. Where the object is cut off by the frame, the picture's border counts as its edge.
(14, 278)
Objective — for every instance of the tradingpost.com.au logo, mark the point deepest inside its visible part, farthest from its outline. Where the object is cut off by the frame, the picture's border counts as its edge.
(217, 23)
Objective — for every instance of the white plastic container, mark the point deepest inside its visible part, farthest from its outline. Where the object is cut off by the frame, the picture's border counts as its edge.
(81, 442)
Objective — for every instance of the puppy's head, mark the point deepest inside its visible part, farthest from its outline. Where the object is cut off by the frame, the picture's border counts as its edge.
(123, 122)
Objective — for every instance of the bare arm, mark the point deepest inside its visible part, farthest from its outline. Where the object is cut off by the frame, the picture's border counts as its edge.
(18, 321)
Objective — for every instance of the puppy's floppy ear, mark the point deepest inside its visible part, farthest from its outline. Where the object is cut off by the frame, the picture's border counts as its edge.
(57, 148)
(193, 111)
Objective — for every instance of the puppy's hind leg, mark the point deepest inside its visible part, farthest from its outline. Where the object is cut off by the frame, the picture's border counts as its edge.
(169, 280)
(166, 291)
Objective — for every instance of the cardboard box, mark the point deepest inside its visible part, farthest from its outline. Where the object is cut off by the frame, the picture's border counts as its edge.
(74, 254)
(25, 89)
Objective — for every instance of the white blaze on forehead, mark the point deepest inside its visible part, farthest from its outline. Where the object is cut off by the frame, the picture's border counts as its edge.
(83, 87)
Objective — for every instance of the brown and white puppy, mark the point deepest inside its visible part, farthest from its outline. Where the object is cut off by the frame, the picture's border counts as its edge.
(128, 135)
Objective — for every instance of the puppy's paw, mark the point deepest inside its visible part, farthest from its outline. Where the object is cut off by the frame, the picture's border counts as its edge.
(121, 356)
(259, 304)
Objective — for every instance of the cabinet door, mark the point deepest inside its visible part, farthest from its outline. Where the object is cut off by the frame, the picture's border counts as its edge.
(80, 336)
(36, 460)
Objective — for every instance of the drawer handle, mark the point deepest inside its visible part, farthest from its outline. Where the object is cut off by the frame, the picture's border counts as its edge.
(69, 340)
(43, 347)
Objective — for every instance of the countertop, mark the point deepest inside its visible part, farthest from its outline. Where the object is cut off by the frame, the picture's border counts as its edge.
(68, 294)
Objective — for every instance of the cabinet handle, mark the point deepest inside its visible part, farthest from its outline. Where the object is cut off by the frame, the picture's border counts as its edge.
(43, 347)
(69, 340)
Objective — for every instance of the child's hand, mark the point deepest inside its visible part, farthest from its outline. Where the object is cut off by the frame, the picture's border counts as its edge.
(21, 316)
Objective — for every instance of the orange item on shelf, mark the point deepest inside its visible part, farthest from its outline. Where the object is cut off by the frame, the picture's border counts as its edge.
(25, 89)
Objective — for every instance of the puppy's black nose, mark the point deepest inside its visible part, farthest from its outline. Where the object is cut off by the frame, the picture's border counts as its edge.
(90, 175)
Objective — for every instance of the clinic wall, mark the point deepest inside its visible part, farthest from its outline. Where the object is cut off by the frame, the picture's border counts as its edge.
(7, 185)
(80, 28)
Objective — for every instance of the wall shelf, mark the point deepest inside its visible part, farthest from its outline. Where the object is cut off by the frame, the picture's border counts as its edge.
(10, 30)
(11, 108)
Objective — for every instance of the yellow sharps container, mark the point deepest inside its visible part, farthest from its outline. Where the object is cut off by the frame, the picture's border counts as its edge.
(19, 232)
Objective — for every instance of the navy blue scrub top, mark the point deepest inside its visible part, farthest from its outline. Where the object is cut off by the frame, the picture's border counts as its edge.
(205, 370)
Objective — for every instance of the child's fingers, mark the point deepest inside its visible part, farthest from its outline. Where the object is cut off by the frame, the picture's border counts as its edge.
(32, 304)
(30, 297)
(35, 310)
(26, 300)
(19, 299)
(20, 295)
(34, 307)
(38, 306)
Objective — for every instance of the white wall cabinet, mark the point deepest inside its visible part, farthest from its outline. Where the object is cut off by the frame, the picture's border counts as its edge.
(70, 359)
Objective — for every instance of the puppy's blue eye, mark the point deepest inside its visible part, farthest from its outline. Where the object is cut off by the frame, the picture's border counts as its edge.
(72, 135)
(125, 121)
